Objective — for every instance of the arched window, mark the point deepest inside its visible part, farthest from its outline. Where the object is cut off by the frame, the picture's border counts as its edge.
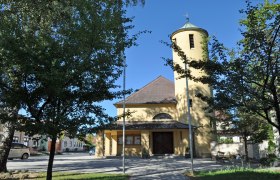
(162, 116)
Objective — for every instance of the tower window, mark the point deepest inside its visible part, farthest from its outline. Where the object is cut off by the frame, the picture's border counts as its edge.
(191, 41)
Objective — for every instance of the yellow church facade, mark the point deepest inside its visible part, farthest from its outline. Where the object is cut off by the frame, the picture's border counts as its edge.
(157, 123)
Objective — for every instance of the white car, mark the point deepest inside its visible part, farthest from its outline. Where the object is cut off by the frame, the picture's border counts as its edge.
(19, 151)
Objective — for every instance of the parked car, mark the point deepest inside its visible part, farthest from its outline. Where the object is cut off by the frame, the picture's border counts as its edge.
(19, 151)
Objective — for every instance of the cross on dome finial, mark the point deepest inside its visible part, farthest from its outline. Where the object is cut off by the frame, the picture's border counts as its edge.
(187, 17)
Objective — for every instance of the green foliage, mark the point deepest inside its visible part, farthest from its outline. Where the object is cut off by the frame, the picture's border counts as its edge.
(145, 154)
(59, 59)
(265, 162)
(250, 125)
(271, 143)
(237, 173)
(269, 160)
(100, 176)
(247, 82)
(225, 140)
(89, 140)
(63, 175)
(271, 146)
(134, 2)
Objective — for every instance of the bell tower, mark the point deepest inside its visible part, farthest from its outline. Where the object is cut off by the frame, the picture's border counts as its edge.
(190, 39)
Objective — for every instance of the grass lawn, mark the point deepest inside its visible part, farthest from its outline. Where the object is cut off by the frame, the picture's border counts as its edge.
(59, 175)
(64, 176)
(236, 174)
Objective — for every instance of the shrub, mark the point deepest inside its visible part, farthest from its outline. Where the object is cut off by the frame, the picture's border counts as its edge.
(225, 140)
(264, 161)
(145, 154)
(269, 160)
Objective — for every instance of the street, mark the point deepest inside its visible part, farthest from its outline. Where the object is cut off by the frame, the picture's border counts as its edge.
(154, 168)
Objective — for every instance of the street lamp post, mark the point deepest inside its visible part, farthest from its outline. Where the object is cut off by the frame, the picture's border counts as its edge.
(123, 150)
(189, 118)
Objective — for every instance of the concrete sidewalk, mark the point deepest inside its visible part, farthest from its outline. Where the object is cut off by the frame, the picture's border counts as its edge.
(166, 168)
(171, 168)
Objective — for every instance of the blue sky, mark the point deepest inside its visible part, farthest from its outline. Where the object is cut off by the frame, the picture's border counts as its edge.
(162, 17)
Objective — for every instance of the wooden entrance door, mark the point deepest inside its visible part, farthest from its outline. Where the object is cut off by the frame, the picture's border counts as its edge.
(163, 143)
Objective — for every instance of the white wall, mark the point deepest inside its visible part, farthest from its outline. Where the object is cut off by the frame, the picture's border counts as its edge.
(71, 144)
(254, 150)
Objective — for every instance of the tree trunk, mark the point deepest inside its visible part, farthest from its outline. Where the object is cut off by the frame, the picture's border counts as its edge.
(9, 130)
(277, 140)
(246, 148)
(51, 158)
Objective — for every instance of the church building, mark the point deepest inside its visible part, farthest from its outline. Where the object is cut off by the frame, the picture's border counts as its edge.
(158, 124)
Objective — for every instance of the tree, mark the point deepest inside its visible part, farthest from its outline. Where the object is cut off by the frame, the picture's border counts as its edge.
(249, 126)
(90, 140)
(245, 78)
(260, 59)
(8, 119)
(59, 59)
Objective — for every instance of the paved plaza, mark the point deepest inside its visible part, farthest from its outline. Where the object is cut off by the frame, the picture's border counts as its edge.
(171, 168)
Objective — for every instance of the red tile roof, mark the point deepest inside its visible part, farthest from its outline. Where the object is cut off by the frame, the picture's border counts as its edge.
(159, 91)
